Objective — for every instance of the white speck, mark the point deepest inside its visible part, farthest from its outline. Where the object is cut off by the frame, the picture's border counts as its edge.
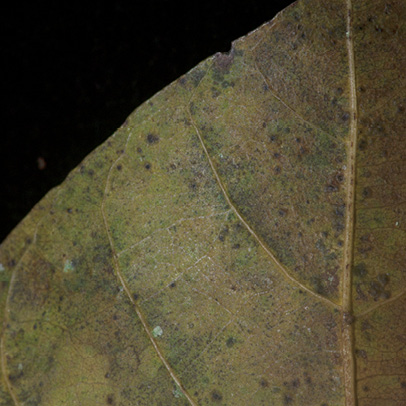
(309, 329)
(347, 34)
(157, 331)
(2, 269)
(396, 224)
(120, 288)
(306, 307)
(20, 367)
(344, 167)
(249, 249)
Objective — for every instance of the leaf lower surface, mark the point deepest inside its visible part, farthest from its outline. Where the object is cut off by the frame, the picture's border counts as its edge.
(240, 240)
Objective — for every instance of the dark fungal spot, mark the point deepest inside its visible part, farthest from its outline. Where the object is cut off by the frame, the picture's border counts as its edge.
(119, 167)
(147, 166)
(331, 188)
(230, 342)
(340, 210)
(296, 383)
(386, 294)
(223, 234)
(361, 354)
(348, 318)
(264, 383)
(287, 400)
(383, 279)
(216, 396)
(340, 177)
(69, 210)
(135, 296)
(362, 145)
(375, 290)
(317, 284)
(366, 192)
(360, 269)
(152, 138)
(110, 400)
(172, 285)
(345, 117)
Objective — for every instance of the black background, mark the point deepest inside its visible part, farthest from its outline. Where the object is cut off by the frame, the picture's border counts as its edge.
(75, 72)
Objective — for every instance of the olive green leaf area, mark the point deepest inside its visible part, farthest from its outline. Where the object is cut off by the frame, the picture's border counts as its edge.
(240, 240)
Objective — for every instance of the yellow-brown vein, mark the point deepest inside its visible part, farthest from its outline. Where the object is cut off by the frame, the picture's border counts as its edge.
(347, 318)
(248, 227)
(128, 292)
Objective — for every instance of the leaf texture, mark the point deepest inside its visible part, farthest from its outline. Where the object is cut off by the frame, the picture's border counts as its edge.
(240, 240)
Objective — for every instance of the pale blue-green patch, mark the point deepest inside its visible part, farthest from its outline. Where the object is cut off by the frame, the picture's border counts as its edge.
(177, 392)
(157, 331)
(68, 266)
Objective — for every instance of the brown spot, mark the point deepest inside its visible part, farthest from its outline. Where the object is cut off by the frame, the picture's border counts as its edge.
(110, 400)
(223, 61)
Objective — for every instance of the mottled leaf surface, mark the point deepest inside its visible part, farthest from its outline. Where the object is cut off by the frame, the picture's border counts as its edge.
(240, 240)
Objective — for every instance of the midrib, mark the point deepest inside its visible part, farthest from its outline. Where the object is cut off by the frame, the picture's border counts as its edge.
(347, 311)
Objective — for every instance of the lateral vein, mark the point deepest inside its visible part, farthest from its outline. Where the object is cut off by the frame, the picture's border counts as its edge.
(347, 317)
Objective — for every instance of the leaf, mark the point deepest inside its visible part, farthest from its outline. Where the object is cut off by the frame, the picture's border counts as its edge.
(240, 240)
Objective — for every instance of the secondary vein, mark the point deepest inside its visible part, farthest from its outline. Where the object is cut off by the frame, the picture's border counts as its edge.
(252, 232)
